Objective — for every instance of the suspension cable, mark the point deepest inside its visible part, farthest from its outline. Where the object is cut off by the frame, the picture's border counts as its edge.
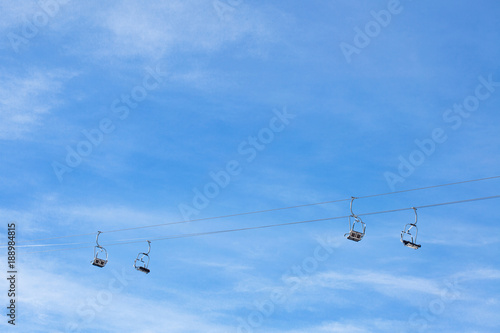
(140, 240)
(266, 210)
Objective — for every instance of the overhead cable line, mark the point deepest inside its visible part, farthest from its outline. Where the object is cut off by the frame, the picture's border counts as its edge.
(139, 240)
(266, 210)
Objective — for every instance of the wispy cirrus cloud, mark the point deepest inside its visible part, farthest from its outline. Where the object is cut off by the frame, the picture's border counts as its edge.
(46, 297)
(389, 284)
(360, 326)
(161, 29)
(26, 98)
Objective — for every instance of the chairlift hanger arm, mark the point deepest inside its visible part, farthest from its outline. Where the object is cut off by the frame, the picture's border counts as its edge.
(97, 239)
(352, 213)
(144, 267)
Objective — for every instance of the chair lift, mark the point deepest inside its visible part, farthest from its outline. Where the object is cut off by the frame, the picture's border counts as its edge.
(140, 258)
(355, 235)
(98, 248)
(410, 241)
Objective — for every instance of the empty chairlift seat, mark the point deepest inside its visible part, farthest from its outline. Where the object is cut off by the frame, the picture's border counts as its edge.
(141, 263)
(409, 234)
(99, 262)
(353, 234)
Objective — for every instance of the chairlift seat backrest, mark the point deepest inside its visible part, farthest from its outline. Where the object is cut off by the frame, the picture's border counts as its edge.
(412, 242)
(355, 235)
(99, 262)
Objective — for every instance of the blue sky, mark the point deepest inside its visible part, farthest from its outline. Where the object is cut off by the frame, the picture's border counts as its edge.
(118, 115)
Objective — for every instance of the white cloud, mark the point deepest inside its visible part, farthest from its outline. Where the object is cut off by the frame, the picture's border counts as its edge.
(24, 100)
(336, 327)
(459, 234)
(51, 217)
(479, 274)
(389, 284)
(153, 30)
(15, 13)
(54, 300)
(360, 326)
